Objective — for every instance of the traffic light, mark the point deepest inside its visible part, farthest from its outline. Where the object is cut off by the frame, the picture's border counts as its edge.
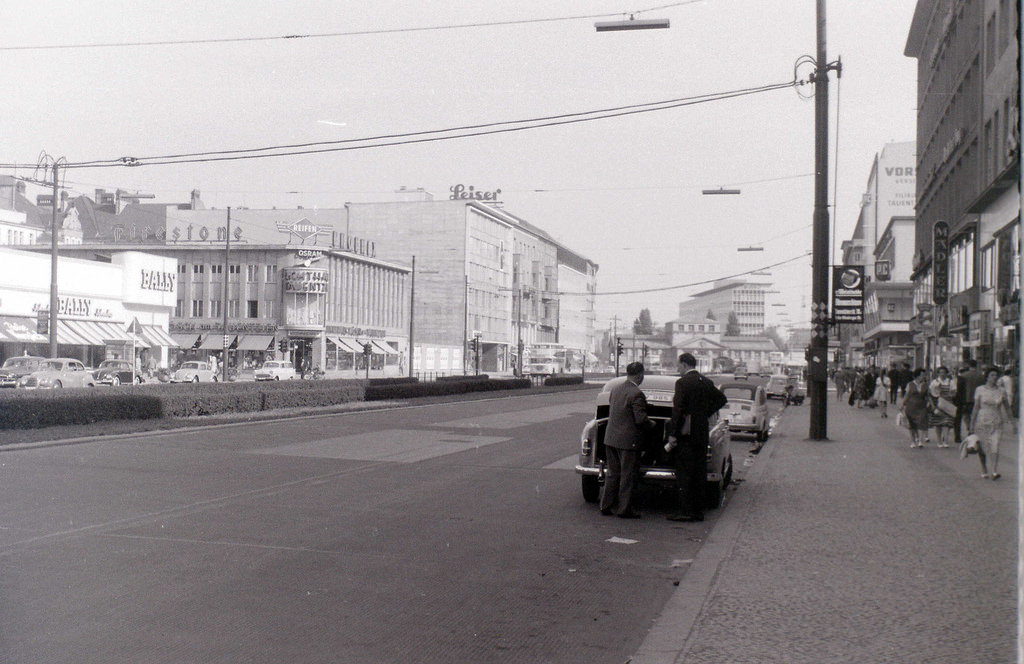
(618, 346)
(367, 349)
(474, 344)
(282, 345)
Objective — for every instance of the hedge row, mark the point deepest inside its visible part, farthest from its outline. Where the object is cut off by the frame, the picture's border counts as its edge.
(564, 379)
(27, 409)
(442, 388)
(457, 377)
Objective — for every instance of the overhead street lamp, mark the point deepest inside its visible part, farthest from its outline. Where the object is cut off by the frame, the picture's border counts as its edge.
(751, 248)
(720, 192)
(632, 24)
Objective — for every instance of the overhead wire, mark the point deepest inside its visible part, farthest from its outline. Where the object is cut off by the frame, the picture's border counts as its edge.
(333, 35)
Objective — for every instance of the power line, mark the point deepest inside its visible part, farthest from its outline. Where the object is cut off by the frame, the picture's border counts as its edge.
(331, 35)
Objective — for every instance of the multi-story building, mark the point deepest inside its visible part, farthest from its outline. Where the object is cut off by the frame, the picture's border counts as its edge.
(481, 272)
(745, 299)
(968, 163)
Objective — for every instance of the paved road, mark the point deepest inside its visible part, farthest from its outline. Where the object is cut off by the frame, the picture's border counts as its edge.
(435, 534)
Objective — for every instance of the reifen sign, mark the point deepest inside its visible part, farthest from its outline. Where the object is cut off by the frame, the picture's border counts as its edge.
(848, 294)
(940, 262)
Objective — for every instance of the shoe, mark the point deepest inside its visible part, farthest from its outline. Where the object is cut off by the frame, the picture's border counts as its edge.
(996, 476)
(629, 515)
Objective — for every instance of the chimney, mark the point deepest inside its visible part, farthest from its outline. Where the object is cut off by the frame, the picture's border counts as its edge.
(195, 203)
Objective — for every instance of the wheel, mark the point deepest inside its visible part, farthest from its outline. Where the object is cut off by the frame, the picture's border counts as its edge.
(195, 379)
(591, 488)
(115, 381)
(58, 385)
(277, 378)
(139, 380)
(215, 378)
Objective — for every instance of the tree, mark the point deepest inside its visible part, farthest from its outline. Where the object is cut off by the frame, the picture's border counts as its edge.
(773, 334)
(643, 324)
(732, 328)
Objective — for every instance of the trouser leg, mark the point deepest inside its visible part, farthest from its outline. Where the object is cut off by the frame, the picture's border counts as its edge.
(629, 461)
(612, 477)
(691, 475)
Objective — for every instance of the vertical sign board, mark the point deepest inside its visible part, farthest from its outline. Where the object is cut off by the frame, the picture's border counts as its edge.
(940, 262)
(848, 294)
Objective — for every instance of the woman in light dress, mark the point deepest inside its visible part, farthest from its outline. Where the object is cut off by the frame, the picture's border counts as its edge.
(991, 412)
(942, 387)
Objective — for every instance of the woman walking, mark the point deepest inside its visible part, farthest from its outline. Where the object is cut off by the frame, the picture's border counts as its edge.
(991, 412)
(941, 393)
(915, 409)
(881, 395)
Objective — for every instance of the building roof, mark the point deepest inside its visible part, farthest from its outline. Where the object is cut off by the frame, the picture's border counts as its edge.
(701, 343)
(765, 344)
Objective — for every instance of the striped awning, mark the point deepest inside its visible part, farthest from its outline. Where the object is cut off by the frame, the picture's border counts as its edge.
(185, 340)
(157, 337)
(216, 341)
(346, 345)
(384, 347)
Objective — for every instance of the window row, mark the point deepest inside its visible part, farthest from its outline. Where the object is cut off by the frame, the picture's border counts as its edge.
(215, 309)
(252, 272)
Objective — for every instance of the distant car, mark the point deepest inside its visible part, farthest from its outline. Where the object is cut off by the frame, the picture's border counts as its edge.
(747, 410)
(656, 465)
(194, 372)
(276, 370)
(116, 372)
(58, 373)
(16, 367)
(776, 386)
(799, 391)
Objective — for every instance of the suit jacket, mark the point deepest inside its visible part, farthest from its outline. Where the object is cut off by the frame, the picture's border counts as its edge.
(972, 379)
(627, 417)
(697, 397)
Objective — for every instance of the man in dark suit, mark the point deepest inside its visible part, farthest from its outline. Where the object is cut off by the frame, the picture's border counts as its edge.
(966, 383)
(696, 399)
(627, 423)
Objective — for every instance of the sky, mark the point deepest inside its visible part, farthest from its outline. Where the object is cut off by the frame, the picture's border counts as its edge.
(625, 192)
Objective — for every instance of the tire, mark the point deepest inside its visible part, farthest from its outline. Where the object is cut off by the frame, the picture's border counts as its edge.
(115, 381)
(591, 488)
(215, 378)
(58, 385)
(277, 378)
(195, 379)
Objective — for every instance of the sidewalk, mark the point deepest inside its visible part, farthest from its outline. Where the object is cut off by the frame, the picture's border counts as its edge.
(859, 549)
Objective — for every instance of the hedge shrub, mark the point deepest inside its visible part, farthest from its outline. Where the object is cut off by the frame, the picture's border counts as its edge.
(458, 377)
(441, 388)
(563, 379)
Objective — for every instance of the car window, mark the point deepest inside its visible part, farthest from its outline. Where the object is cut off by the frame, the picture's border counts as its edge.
(52, 366)
(76, 366)
(738, 393)
(190, 365)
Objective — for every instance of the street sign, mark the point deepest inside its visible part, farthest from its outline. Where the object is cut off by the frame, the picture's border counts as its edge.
(135, 327)
(227, 340)
(848, 293)
(883, 270)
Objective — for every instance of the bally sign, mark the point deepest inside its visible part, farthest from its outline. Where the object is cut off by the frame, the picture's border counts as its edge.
(848, 294)
(940, 262)
(157, 281)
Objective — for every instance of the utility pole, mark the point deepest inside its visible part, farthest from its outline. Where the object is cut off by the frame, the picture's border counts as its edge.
(412, 313)
(465, 329)
(224, 306)
(53, 266)
(817, 356)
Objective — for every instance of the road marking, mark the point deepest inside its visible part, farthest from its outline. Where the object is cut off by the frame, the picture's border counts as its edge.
(516, 419)
(391, 445)
(188, 540)
(621, 540)
(568, 463)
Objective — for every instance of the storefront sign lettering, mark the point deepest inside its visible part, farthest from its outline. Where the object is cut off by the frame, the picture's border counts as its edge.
(202, 234)
(202, 326)
(355, 331)
(303, 230)
(305, 281)
(463, 193)
(357, 245)
(848, 294)
(75, 307)
(156, 280)
(940, 262)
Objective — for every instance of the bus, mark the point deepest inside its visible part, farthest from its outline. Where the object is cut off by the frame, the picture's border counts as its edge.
(546, 359)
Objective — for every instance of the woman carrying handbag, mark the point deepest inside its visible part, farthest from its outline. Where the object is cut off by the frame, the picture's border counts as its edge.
(915, 409)
(991, 412)
(942, 409)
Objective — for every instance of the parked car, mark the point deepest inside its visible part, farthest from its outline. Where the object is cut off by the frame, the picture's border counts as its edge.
(656, 465)
(194, 372)
(16, 367)
(116, 372)
(775, 388)
(57, 373)
(276, 370)
(747, 410)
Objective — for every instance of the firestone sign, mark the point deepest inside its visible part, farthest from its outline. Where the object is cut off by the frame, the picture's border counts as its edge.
(848, 294)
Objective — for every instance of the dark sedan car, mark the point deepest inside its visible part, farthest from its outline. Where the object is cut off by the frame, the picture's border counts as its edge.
(16, 367)
(116, 372)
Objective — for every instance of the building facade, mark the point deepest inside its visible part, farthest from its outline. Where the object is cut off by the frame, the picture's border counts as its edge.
(745, 299)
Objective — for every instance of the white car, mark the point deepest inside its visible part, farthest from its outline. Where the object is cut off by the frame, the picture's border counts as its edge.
(276, 370)
(58, 373)
(747, 410)
(194, 372)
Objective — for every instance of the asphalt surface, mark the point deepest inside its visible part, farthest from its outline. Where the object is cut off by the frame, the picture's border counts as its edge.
(443, 533)
(858, 549)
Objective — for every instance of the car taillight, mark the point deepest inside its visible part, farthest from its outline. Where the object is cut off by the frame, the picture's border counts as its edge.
(587, 438)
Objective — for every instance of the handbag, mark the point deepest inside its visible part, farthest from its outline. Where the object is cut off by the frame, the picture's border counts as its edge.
(969, 446)
(946, 406)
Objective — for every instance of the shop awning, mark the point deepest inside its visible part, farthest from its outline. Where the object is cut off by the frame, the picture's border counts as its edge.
(186, 341)
(114, 333)
(70, 335)
(216, 341)
(21, 329)
(346, 345)
(384, 348)
(255, 341)
(157, 337)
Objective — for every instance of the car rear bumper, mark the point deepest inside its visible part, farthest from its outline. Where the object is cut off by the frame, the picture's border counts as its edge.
(646, 474)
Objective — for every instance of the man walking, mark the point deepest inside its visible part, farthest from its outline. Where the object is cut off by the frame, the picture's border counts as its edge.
(696, 399)
(627, 423)
(966, 384)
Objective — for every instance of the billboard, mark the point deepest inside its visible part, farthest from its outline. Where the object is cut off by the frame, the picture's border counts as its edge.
(848, 294)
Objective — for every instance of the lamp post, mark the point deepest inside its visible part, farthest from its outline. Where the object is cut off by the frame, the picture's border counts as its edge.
(412, 313)
(224, 305)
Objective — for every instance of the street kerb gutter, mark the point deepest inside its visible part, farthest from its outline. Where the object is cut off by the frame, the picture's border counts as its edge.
(670, 638)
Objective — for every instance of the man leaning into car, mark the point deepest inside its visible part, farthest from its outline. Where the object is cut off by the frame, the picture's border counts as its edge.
(696, 399)
(627, 423)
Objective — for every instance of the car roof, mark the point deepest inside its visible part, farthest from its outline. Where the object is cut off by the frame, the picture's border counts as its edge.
(651, 382)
